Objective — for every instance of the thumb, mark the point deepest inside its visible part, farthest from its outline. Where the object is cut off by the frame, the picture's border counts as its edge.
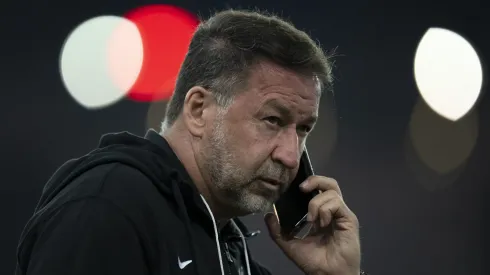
(274, 229)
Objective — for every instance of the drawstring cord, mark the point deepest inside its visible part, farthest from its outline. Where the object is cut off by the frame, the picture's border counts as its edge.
(215, 235)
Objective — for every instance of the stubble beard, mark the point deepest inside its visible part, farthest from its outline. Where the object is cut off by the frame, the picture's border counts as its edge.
(234, 187)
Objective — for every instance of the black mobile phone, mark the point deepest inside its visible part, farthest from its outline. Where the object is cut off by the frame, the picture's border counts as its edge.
(291, 208)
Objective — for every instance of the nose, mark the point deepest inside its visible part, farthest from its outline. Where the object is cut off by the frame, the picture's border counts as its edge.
(287, 149)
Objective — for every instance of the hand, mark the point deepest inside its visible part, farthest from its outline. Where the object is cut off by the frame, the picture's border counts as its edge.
(333, 246)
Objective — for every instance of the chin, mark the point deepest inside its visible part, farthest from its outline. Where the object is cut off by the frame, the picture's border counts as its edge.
(252, 203)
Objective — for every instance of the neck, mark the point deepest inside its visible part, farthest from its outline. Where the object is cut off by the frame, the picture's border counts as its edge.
(181, 143)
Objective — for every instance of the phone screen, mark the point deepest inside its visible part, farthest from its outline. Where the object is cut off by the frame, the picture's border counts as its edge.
(292, 206)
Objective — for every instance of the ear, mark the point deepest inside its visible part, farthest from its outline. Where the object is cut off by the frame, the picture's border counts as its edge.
(199, 107)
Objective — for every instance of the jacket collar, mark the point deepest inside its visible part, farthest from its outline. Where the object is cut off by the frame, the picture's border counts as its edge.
(231, 233)
(170, 156)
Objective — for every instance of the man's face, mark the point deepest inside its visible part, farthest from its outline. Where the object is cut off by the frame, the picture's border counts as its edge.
(254, 146)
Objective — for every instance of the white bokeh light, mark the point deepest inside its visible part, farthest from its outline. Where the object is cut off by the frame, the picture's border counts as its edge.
(100, 60)
(448, 73)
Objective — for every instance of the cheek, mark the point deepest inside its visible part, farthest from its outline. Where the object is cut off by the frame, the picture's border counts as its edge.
(245, 137)
(248, 144)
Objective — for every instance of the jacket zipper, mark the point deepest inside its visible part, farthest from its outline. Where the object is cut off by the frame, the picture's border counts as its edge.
(228, 256)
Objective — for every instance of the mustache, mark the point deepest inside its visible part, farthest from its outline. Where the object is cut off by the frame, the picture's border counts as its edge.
(276, 174)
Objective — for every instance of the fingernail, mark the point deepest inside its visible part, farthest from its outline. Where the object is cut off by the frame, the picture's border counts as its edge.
(303, 184)
(308, 217)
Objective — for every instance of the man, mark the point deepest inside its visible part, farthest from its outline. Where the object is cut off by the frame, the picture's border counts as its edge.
(246, 98)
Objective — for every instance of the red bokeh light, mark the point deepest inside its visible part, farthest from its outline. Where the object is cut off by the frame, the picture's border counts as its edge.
(166, 32)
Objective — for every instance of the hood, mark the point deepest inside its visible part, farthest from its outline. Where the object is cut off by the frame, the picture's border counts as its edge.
(153, 156)
(150, 158)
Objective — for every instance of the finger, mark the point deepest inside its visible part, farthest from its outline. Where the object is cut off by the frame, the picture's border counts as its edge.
(327, 212)
(320, 183)
(336, 210)
(315, 203)
(273, 226)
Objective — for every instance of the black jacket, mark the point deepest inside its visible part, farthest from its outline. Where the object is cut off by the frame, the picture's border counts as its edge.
(129, 207)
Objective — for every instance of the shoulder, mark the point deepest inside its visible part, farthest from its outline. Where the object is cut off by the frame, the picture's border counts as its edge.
(124, 186)
(110, 181)
(106, 180)
(132, 191)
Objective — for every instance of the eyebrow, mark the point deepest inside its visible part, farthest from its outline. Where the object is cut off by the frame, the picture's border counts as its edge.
(284, 111)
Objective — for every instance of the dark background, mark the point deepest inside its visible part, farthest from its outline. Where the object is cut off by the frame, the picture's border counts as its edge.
(413, 219)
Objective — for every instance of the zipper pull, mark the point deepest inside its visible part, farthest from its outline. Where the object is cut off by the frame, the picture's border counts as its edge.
(227, 252)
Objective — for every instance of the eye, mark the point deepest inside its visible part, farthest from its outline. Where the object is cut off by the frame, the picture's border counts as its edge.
(273, 120)
(305, 129)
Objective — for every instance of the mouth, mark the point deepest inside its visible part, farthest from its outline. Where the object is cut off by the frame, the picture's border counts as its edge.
(271, 182)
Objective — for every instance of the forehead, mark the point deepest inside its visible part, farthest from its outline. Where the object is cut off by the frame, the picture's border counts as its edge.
(270, 84)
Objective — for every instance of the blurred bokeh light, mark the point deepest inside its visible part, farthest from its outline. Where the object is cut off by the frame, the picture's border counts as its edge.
(139, 55)
(100, 60)
(440, 144)
(448, 73)
(166, 32)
